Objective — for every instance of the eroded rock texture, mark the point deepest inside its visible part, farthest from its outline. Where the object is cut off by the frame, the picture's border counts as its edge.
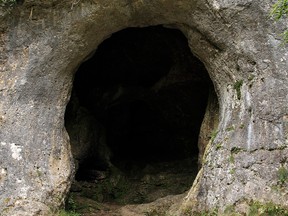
(42, 45)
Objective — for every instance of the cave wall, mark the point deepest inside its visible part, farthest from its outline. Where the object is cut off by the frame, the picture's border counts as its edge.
(42, 44)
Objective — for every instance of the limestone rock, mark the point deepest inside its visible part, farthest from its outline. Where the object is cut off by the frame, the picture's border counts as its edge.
(43, 43)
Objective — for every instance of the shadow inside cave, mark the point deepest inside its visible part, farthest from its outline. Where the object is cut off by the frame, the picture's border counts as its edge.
(134, 117)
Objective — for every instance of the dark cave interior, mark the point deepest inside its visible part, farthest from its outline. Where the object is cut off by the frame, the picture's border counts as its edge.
(140, 99)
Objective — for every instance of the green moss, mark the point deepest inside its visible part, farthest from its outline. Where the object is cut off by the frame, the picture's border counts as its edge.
(237, 86)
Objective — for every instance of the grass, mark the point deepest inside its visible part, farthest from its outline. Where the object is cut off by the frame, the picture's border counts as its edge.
(263, 209)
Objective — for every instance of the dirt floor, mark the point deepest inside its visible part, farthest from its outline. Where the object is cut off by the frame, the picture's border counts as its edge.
(136, 190)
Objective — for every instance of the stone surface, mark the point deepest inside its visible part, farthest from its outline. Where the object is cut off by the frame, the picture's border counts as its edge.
(43, 43)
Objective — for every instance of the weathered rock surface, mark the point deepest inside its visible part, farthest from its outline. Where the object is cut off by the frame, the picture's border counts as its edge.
(43, 43)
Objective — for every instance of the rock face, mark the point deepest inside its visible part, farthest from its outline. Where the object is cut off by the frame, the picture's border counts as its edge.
(43, 44)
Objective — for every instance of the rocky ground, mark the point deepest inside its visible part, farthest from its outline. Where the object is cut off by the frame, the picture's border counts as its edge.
(134, 191)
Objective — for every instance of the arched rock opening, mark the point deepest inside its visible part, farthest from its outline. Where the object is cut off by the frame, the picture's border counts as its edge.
(136, 107)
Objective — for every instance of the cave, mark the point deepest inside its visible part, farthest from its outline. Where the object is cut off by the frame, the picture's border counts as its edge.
(51, 56)
(137, 106)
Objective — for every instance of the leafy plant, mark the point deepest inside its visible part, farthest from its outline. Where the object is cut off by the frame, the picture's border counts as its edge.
(280, 11)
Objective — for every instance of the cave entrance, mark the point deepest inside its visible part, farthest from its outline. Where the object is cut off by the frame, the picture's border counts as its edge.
(135, 115)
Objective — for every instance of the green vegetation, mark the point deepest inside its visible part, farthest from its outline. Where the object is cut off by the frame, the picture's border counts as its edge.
(260, 209)
(229, 209)
(70, 209)
(255, 209)
(68, 213)
(7, 3)
(235, 150)
(237, 86)
(241, 126)
(280, 11)
(282, 175)
(218, 146)
(231, 158)
(232, 171)
(231, 128)
(213, 135)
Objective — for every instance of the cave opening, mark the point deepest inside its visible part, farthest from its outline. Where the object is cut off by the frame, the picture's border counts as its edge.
(135, 113)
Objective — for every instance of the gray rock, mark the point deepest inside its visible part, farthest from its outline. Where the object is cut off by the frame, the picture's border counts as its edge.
(42, 45)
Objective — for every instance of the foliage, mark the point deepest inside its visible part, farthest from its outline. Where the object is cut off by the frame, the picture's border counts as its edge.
(260, 209)
(283, 175)
(280, 11)
(7, 3)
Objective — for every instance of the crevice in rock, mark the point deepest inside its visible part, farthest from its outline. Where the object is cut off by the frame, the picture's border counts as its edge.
(135, 115)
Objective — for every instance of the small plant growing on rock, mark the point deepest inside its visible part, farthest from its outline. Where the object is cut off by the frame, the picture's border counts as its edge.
(237, 86)
(257, 208)
(280, 11)
(213, 135)
(282, 175)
